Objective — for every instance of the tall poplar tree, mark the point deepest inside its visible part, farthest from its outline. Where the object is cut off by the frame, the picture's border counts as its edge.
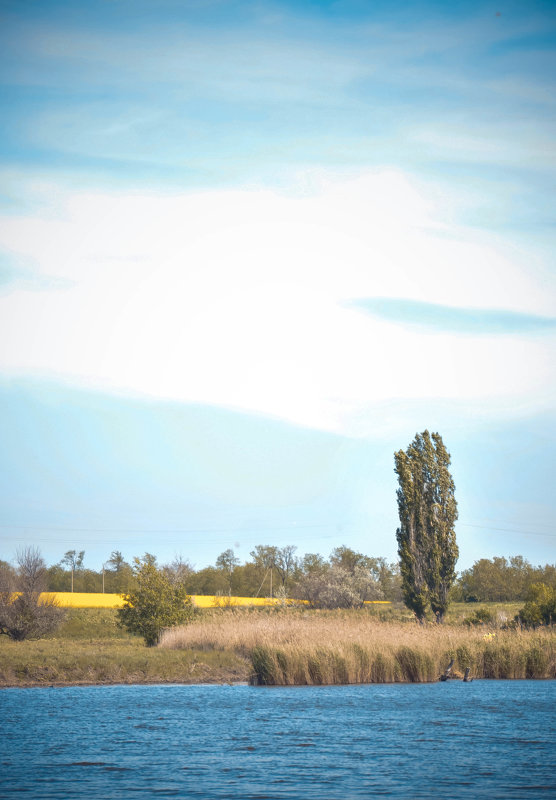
(426, 538)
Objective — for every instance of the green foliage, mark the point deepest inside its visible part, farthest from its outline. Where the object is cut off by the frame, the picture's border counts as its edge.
(481, 616)
(540, 608)
(154, 603)
(426, 538)
(208, 581)
(227, 562)
(275, 561)
(501, 579)
(312, 562)
(91, 623)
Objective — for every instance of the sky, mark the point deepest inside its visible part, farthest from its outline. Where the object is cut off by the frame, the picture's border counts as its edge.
(249, 249)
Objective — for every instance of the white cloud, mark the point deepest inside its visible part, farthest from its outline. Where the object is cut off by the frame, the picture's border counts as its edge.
(235, 298)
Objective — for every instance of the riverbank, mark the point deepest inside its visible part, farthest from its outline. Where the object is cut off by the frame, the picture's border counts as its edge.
(276, 647)
(99, 661)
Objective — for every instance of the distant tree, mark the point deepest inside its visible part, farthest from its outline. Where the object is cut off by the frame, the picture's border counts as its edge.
(24, 614)
(154, 603)
(208, 581)
(285, 563)
(90, 580)
(313, 562)
(426, 538)
(540, 608)
(348, 559)
(227, 562)
(116, 560)
(336, 587)
(178, 570)
(499, 579)
(264, 558)
(57, 579)
(119, 575)
(8, 577)
(247, 580)
(389, 579)
(74, 561)
(385, 575)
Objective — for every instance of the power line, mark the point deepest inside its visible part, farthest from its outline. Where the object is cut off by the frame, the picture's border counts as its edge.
(509, 522)
(291, 526)
(260, 528)
(507, 530)
(236, 532)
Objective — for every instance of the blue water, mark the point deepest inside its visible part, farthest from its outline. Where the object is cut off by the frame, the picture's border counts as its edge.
(494, 739)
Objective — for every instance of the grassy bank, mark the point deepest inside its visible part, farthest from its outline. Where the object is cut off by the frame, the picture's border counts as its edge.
(304, 648)
(278, 647)
(90, 648)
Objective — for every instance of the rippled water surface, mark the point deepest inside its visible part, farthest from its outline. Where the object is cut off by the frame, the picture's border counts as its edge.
(494, 739)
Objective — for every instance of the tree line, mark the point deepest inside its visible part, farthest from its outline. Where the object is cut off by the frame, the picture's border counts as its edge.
(278, 570)
(270, 571)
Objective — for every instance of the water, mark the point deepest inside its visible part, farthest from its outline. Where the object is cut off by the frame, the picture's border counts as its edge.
(494, 739)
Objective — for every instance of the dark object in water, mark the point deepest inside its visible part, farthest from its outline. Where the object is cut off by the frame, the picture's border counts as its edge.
(466, 678)
(447, 671)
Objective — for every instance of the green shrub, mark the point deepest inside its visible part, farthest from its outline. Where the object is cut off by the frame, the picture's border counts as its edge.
(481, 616)
(540, 608)
(154, 603)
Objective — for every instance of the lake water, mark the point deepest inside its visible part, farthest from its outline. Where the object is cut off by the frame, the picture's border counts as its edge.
(494, 739)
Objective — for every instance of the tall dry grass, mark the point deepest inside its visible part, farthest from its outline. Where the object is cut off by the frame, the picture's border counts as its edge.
(303, 648)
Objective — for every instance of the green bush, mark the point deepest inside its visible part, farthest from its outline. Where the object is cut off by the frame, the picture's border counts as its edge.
(540, 608)
(154, 603)
(481, 616)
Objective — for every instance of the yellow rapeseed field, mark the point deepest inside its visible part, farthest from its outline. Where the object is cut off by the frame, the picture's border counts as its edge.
(101, 600)
(85, 599)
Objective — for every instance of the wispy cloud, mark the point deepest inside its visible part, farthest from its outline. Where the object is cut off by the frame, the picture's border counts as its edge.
(238, 299)
(275, 87)
(450, 319)
(19, 274)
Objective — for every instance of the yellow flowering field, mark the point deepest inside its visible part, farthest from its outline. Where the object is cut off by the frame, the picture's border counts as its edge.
(100, 600)
(85, 599)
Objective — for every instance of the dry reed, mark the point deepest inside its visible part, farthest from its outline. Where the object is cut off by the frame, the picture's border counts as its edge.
(303, 648)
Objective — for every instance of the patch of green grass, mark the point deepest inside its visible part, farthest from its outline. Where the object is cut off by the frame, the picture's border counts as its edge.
(79, 661)
(90, 647)
(502, 613)
(90, 623)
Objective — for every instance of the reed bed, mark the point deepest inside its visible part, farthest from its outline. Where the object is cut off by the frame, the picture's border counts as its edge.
(305, 648)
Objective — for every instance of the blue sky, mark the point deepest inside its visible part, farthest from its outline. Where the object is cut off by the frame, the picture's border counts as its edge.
(247, 250)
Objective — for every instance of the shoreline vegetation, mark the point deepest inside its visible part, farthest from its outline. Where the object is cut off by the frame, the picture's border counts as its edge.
(282, 646)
